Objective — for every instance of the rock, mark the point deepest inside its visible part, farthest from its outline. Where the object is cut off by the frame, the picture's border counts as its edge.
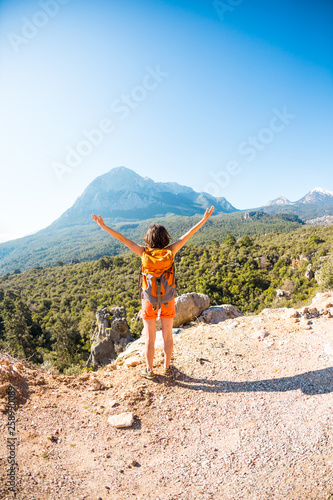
(317, 276)
(132, 361)
(259, 334)
(134, 348)
(96, 385)
(309, 273)
(102, 353)
(216, 314)
(279, 292)
(309, 312)
(121, 420)
(293, 313)
(110, 336)
(189, 306)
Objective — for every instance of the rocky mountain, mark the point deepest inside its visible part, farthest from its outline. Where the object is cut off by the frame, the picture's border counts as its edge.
(317, 196)
(282, 200)
(315, 204)
(122, 194)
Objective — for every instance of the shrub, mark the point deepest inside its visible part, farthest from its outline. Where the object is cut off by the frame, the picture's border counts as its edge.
(326, 275)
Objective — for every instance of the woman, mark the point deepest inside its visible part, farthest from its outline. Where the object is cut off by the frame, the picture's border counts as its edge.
(157, 237)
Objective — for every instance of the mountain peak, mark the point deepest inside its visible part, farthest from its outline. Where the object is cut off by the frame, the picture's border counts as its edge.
(318, 195)
(282, 200)
(321, 191)
(122, 194)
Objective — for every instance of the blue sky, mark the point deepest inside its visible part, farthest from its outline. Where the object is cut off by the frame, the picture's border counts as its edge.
(231, 97)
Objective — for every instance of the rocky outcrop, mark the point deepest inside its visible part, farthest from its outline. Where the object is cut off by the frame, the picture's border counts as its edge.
(216, 314)
(309, 272)
(110, 336)
(325, 220)
(324, 261)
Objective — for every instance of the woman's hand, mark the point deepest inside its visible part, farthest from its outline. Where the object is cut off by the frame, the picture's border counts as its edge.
(99, 220)
(208, 213)
(175, 247)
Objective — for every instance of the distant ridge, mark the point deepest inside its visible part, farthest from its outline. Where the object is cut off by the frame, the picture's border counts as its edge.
(318, 196)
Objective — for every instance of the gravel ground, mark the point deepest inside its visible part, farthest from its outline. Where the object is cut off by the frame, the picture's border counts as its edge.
(240, 418)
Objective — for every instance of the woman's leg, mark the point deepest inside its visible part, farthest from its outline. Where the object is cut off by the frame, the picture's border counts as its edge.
(168, 339)
(150, 332)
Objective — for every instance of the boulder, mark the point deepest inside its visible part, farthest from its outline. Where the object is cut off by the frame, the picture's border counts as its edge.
(189, 306)
(110, 336)
(216, 314)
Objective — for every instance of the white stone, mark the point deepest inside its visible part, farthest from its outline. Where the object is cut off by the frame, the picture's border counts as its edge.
(121, 420)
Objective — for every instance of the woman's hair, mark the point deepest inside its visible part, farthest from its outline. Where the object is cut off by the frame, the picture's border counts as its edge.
(157, 236)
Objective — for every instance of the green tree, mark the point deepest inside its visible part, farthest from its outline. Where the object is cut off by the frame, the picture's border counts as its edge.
(326, 275)
(245, 241)
(22, 336)
(229, 240)
(66, 336)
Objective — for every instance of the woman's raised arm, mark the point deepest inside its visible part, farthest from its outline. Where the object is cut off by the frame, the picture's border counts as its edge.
(175, 247)
(138, 249)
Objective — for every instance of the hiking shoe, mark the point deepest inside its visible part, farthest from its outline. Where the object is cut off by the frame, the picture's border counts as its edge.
(146, 374)
(167, 371)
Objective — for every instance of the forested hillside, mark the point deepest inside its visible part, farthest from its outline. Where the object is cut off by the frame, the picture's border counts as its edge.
(46, 312)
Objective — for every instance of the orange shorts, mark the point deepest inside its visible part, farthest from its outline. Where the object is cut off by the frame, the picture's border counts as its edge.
(166, 312)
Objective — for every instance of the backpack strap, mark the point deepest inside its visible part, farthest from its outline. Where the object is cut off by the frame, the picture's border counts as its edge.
(140, 283)
(158, 292)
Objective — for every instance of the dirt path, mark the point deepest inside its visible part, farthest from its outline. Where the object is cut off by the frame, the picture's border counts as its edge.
(241, 418)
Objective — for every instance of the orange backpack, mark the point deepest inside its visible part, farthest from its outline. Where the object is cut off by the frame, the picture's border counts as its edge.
(157, 276)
